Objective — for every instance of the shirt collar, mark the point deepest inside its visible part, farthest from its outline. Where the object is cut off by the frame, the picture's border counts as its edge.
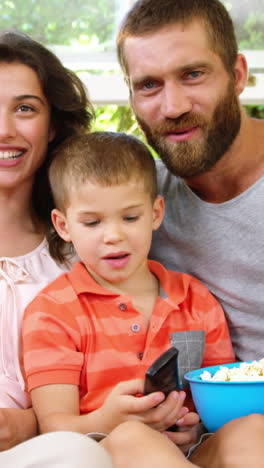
(83, 282)
(175, 285)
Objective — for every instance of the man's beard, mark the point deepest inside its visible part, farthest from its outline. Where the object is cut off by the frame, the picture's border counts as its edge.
(191, 158)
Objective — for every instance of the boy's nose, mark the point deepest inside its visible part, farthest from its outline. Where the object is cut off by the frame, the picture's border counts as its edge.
(113, 233)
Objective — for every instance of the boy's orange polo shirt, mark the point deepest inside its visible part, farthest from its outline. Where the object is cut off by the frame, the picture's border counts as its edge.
(77, 332)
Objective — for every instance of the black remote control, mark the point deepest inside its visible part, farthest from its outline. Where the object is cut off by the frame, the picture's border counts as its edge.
(163, 376)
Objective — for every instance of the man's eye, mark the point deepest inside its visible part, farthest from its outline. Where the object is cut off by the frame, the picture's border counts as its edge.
(149, 85)
(195, 74)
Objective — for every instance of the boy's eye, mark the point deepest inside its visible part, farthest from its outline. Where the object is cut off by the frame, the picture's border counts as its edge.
(91, 223)
(131, 218)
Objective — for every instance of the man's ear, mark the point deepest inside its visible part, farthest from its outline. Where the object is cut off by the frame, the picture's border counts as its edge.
(60, 224)
(158, 212)
(241, 73)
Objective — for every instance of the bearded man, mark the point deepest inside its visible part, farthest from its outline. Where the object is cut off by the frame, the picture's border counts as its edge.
(185, 76)
(181, 63)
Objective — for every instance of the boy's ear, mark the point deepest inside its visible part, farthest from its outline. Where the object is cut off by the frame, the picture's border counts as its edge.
(158, 212)
(60, 223)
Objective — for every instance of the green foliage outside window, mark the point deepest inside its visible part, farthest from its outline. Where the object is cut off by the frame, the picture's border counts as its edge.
(61, 22)
(92, 23)
(64, 22)
(121, 119)
(255, 111)
(116, 118)
(248, 18)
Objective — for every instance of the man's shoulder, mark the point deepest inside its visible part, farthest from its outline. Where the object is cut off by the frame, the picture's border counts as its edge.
(166, 180)
(161, 168)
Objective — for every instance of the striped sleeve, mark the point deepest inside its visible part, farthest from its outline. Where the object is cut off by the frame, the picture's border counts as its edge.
(52, 340)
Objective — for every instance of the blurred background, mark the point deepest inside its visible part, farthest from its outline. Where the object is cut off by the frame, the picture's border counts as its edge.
(82, 33)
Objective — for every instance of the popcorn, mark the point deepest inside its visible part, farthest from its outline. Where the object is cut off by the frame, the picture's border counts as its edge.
(244, 373)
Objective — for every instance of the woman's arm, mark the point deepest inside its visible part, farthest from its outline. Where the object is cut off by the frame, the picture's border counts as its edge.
(16, 425)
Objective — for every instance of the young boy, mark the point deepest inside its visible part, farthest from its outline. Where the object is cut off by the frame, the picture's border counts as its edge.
(90, 335)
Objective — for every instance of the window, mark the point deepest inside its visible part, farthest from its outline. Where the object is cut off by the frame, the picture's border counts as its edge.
(82, 33)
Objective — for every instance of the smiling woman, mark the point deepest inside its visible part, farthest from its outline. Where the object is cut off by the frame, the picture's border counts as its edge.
(41, 103)
(25, 128)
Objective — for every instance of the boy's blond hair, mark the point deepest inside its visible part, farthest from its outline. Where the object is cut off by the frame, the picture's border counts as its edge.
(106, 158)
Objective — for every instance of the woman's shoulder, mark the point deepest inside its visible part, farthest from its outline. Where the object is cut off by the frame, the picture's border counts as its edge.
(37, 264)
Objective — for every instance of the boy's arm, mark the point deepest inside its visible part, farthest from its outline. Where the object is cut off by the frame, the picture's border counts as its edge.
(57, 408)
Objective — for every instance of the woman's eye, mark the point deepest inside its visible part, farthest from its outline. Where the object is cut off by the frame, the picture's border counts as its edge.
(25, 108)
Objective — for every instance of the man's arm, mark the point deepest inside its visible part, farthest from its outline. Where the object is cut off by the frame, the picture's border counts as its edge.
(16, 425)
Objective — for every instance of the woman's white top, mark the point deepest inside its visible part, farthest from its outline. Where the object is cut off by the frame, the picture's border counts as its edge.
(21, 278)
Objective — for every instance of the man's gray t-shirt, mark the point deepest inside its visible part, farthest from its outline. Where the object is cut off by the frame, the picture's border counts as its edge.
(222, 245)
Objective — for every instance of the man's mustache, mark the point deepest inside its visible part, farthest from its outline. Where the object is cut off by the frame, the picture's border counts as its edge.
(178, 124)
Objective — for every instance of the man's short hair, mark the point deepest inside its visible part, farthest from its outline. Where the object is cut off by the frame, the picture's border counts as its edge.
(148, 16)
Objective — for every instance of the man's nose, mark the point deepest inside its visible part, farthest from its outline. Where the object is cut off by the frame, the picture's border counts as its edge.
(175, 101)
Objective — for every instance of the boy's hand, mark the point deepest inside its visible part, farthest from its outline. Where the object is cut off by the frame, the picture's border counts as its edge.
(122, 405)
(167, 413)
(189, 431)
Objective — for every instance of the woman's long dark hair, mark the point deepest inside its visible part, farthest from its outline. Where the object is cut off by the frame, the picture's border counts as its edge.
(71, 110)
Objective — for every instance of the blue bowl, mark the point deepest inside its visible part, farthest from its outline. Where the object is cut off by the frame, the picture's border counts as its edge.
(220, 402)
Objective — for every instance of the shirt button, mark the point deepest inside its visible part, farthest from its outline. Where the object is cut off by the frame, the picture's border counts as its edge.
(135, 327)
(122, 306)
(140, 356)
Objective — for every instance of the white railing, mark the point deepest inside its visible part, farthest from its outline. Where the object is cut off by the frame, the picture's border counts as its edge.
(102, 76)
